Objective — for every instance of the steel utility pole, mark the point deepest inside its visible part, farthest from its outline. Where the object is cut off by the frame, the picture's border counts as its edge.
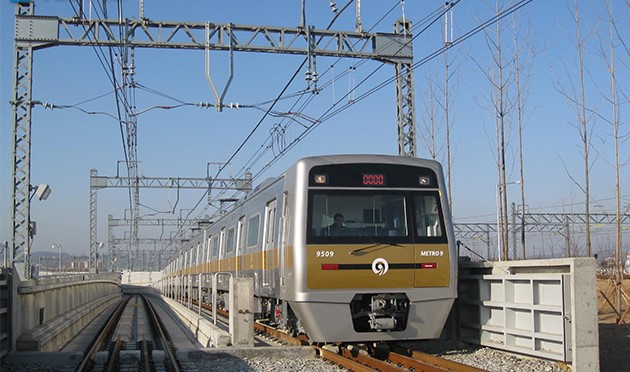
(405, 97)
(37, 32)
(21, 163)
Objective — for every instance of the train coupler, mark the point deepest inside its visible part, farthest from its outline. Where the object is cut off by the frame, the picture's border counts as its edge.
(380, 312)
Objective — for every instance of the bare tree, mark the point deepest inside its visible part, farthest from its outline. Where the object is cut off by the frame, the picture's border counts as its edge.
(500, 78)
(429, 132)
(437, 107)
(576, 96)
(523, 56)
(448, 37)
(583, 122)
(500, 82)
(614, 121)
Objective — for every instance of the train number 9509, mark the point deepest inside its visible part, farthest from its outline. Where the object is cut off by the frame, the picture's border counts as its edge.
(324, 253)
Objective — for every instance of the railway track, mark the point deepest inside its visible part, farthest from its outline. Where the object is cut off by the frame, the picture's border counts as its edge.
(355, 359)
(363, 359)
(134, 338)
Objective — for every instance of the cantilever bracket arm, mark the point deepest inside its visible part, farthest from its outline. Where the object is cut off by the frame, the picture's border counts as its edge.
(217, 96)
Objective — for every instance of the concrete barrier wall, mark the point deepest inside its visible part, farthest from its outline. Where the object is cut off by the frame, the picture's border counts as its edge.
(204, 330)
(55, 333)
(38, 301)
(544, 308)
(141, 278)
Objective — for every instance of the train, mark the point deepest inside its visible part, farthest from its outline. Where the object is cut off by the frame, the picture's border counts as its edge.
(342, 248)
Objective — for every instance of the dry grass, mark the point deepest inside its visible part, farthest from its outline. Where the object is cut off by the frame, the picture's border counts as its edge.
(614, 339)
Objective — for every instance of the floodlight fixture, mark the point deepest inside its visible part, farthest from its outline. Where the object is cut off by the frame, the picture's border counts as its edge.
(43, 191)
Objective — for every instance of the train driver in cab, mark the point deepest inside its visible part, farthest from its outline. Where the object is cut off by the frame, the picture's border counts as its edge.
(335, 228)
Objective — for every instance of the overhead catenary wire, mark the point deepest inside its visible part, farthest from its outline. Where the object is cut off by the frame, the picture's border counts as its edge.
(110, 73)
(257, 155)
(328, 114)
(275, 101)
(309, 99)
(436, 14)
(426, 22)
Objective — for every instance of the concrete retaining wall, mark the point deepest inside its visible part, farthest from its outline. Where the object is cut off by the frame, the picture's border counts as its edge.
(38, 302)
(544, 308)
(204, 330)
(55, 333)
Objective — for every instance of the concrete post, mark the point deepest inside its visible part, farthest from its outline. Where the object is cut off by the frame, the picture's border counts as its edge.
(242, 312)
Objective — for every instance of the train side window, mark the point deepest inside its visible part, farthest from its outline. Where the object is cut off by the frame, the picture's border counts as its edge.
(240, 235)
(215, 245)
(230, 240)
(253, 227)
(208, 248)
(270, 225)
(427, 216)
(222, 243)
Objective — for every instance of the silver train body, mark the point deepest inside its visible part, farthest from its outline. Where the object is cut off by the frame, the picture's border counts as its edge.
(389, 273)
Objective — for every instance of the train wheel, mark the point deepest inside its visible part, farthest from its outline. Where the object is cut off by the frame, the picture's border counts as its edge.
(381, 350)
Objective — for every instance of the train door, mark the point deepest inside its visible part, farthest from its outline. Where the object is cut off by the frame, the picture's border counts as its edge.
(432, 258)
(214, 262)
(208, 254)
(198, 258)
(240, 243)
(283, 235)
(269, 243)
(221, 264)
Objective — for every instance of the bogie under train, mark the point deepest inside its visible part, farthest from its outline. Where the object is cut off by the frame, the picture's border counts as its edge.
(343, 248)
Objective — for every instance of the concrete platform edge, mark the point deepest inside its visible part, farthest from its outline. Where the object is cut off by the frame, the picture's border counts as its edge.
(204, 330)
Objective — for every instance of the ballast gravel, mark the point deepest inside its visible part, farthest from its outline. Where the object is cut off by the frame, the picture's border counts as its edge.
(488, 359)
(480, 357)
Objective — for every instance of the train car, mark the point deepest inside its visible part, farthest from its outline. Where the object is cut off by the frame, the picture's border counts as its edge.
(344, 248)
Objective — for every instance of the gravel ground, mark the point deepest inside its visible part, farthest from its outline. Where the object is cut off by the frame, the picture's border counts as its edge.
(481, 357)
(484, 358)
(493, 360)
(261, 364)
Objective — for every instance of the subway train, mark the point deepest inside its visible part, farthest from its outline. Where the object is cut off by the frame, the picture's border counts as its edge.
(342, 248)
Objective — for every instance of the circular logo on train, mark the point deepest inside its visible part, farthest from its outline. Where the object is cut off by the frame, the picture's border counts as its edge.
(380, 266)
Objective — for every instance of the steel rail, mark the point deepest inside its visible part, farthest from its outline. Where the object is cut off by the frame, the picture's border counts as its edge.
(371, 362)
(113, 363)
(420, 361)
(274, 333)
(342, 360)
(353, 361)
(103, 336)
(146, 359)
(163, 336)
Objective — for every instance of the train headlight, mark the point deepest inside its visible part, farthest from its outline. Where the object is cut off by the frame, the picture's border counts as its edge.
(321, 179)
(424, 181)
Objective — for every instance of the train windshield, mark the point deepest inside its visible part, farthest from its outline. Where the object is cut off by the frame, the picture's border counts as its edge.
(356, 215)
(351, 216)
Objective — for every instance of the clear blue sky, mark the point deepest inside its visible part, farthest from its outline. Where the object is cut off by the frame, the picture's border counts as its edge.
(67, 143)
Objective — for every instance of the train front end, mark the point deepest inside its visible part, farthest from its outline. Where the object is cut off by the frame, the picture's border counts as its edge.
(373, 252)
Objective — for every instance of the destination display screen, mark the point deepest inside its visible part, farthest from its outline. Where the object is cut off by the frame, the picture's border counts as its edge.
(374, 179)
(372, 175)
